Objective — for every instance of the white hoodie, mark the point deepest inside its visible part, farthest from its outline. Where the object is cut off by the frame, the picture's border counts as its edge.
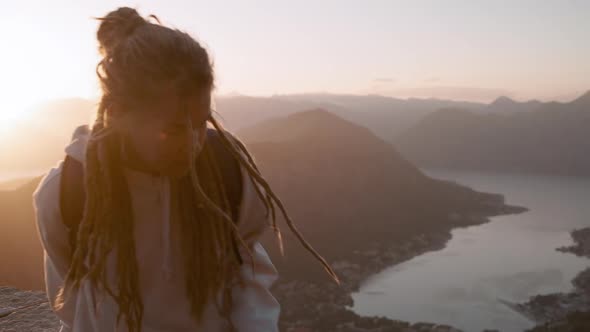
(160, 264)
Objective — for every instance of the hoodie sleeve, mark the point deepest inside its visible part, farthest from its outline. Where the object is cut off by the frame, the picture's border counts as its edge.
(54, 239)
(255, 308)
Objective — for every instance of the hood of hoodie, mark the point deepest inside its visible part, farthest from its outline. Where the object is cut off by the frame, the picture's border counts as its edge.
(77, 150)
(77, 146)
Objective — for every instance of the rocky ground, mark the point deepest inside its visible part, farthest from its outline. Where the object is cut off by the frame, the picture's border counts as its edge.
(564, 312)
(25, 311)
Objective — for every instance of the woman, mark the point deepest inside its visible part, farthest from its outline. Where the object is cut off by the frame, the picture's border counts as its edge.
(158, 246)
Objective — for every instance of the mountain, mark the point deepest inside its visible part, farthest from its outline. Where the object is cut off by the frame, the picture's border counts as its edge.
(305, 125)
(344, 187)
(348, 189)
(37, 143)
(553, 138)
(582, 102)
(506, 105)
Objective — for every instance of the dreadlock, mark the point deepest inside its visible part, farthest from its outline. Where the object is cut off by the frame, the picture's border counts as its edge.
(137, 57)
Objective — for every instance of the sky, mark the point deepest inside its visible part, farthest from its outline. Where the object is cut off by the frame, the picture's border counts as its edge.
(455, 49)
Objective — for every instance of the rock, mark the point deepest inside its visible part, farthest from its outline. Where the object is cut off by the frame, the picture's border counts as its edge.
(26, 311)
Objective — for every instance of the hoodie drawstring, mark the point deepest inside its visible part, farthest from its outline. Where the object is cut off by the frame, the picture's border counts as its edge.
(164, 192)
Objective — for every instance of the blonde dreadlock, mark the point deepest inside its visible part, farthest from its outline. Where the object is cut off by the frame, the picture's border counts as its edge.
(138, 57)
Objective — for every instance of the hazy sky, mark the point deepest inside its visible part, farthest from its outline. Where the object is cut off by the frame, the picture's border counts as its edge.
(473, 50)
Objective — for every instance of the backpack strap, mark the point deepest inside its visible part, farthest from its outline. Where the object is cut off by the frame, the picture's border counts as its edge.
(72, 197)
(73, 193)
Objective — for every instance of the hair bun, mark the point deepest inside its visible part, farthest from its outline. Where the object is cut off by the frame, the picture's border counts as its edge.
(116, 26)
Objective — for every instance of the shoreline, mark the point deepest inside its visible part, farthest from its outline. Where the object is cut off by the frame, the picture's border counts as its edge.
(561, 311)
(331, 306)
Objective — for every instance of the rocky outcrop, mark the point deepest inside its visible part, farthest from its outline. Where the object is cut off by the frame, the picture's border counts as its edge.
(28, 311)
(581, 245)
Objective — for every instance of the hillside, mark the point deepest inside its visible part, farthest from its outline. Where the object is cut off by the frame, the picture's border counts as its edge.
(21, 259)
(342, 182)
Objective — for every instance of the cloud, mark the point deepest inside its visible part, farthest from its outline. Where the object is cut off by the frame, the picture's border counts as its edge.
(384, 80)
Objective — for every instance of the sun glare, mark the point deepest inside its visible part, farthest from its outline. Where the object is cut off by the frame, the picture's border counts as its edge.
(28, 78)
(16, 71)
(11, 119)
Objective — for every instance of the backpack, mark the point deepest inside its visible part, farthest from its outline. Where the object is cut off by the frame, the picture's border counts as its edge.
(73, 194)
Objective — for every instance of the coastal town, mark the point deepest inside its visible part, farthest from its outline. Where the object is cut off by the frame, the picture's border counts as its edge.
(312, 307)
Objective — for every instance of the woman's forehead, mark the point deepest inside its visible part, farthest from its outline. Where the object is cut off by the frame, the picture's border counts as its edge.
(173, 107)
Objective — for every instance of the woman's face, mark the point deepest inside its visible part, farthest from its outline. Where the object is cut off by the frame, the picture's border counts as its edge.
(158, 138)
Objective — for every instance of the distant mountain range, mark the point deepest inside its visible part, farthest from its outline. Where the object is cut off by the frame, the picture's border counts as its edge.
(417, 127)
(344, 187)
(38, 142)
(532, 137)
(385, 116)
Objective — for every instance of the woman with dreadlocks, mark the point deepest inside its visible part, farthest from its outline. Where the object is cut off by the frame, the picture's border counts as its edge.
(158, 246)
